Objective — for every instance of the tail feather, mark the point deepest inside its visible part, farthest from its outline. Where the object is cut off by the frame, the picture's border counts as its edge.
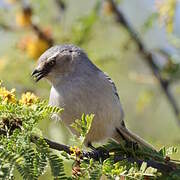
(125, 134)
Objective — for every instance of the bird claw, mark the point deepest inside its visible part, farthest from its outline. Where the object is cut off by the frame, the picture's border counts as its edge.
(132, 144)
(98, 153)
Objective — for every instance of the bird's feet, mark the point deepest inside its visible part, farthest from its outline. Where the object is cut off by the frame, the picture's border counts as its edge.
(132, 144)
(98, 153)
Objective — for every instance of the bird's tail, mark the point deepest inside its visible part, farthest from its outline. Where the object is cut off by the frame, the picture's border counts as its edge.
(123, 133)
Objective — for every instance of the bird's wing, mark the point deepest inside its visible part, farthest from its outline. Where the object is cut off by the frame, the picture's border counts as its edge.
(115, 92)
(112, 84)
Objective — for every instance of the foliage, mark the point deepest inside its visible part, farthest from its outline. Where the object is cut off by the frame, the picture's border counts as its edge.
(120, 163)
(19, 118)
(83, 125)
(18, 121)
(166, 13)
(149, 22)
(81, 30)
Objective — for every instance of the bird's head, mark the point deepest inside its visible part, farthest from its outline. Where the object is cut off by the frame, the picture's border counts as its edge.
(57, 62)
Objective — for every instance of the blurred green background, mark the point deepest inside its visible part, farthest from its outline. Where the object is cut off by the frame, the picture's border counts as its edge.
(147, 111)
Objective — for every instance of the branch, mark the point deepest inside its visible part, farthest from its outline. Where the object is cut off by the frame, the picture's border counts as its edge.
(53, 145)
(165, 168)
(41, 34)
(101, 153)
(148, 56)
(61, 4)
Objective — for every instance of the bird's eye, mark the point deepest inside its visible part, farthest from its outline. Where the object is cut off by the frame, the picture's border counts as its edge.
(52, 62)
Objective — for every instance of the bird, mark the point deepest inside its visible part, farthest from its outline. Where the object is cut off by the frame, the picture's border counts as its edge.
(79, 86)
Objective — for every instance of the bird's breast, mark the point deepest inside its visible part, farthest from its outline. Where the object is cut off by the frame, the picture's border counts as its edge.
(89, 96)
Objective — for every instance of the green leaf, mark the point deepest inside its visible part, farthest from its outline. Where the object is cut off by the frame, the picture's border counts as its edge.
(57, 166)
(143, 167)
(149, 22)
(83, 125)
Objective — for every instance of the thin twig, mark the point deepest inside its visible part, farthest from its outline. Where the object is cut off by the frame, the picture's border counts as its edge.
(148, 56)
(41, 34)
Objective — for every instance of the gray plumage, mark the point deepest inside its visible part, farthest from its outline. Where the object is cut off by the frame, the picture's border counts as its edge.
(80, 87)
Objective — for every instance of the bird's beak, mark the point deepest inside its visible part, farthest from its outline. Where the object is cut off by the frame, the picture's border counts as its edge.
(38, 74)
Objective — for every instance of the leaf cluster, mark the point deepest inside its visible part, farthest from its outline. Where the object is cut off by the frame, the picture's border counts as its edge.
(18, 122)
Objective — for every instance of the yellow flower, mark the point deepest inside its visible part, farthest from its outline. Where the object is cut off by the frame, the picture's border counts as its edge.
(7, 96)
(166, 13)
(24, 18)
(36, 46)
(75, 151)
(28, 98)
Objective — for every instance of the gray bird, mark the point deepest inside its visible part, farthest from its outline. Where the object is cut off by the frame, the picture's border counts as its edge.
(80, 87)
